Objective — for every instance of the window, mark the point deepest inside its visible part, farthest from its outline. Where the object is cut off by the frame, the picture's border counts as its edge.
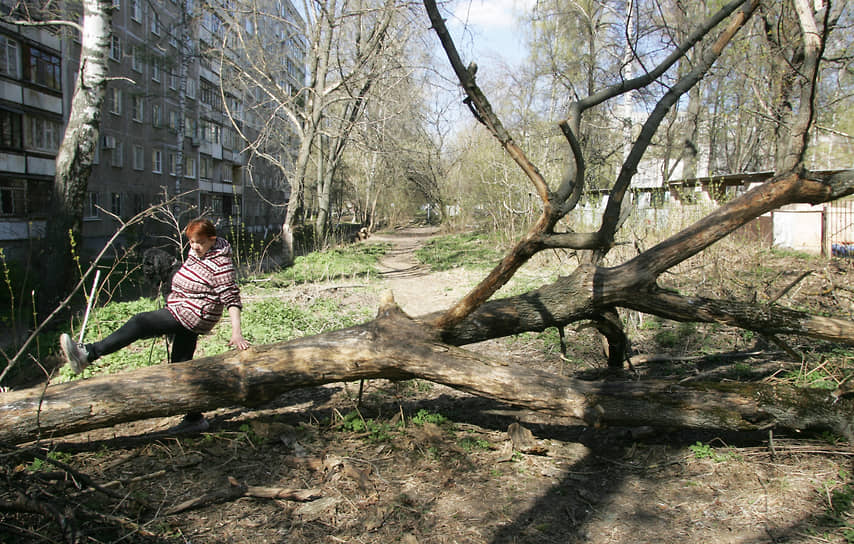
(116, 204)
(117, 4)
(191, 89)
(91, 210)
(155, 23)
(117, 159)
(173, 164)
(115, 100)
(173, 80)
(138, 157)
(42, 134)
(11, 130)
(189, 167)
(209, 95)
(190, 127)
(43, 69)
(155, 69)
(136, 10)
(206, 168)
(157, 161)
(210, 131)
(227, 174)
(156, 116)
(204, 125)
(138, 206)
(173, 120)
(138, 108)
(10, 65)
(136, 59)
(13, 197)
(116, 48)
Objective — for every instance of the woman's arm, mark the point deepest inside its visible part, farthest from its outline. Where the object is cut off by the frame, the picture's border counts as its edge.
(237, 339)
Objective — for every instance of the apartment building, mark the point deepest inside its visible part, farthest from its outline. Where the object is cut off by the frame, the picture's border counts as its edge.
(164, 129)
(31, 116)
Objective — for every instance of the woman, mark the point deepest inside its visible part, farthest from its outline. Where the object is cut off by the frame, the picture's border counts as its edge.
(202, 288)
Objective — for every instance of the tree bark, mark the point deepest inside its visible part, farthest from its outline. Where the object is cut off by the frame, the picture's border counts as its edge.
(76, 152)
(394, 346)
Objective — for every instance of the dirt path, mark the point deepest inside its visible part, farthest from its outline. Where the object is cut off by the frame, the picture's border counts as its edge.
(416, 289)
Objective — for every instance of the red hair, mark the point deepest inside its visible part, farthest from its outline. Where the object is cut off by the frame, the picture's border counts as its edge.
(201, 226)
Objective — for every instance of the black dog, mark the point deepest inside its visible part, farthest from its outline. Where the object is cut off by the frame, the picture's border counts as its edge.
(158, 267)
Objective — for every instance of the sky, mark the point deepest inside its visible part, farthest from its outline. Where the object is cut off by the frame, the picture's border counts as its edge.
(486, 30)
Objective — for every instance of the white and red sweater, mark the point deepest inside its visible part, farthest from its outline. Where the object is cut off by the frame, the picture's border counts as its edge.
(202, 288)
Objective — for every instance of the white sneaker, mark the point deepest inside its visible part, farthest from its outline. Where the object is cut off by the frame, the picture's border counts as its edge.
(75, 354)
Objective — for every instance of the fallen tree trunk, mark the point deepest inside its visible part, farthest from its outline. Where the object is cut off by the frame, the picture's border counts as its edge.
(394, 346)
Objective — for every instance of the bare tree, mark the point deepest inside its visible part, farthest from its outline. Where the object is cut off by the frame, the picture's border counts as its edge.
(349, 52)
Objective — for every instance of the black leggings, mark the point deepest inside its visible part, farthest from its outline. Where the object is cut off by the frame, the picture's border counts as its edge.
(148, 325)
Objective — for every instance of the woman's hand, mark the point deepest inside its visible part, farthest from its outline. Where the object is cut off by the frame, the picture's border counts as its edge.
(237, 341)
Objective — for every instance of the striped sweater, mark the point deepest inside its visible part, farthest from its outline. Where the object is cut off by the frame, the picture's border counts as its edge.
(202, 288)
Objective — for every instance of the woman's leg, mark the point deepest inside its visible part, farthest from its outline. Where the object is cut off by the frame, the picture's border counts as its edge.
(142, 325)
(183, 346)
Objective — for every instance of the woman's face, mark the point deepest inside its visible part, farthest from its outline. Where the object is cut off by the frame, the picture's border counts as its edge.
(200, 244)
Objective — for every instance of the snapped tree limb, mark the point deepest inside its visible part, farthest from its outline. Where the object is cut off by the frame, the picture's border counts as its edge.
(394, 346)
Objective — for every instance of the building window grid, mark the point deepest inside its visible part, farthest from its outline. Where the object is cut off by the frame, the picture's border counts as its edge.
(115, 101)
(138, 108)
(13, 198)
(116, 204)
(206, 168)
(136, 63)
(10, 63)
(190, 167)
(92, 204)
(11, 130)
(138, 157)
(116, 48)
(156, 115)
(42, 134)
(117, 155)
(44, 69)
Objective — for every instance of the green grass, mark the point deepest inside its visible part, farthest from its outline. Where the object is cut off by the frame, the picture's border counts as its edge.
(718, 455)
(356, 261)
(460, 250)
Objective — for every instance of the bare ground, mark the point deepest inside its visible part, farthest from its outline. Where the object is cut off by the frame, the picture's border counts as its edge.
(422, 463)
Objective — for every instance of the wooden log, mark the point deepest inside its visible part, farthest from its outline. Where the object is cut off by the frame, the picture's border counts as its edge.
(394, 346)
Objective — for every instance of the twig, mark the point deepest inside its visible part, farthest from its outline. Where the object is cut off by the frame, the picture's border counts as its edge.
(237, 489)
(776, 296)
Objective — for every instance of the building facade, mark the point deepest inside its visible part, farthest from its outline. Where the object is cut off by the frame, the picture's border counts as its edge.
(32, 113)
(165, 128)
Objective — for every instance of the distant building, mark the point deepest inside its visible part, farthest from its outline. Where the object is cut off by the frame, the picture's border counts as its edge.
(139, 155)
(32, 117)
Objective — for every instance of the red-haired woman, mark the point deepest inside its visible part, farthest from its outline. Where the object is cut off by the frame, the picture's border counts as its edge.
(202, 288)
